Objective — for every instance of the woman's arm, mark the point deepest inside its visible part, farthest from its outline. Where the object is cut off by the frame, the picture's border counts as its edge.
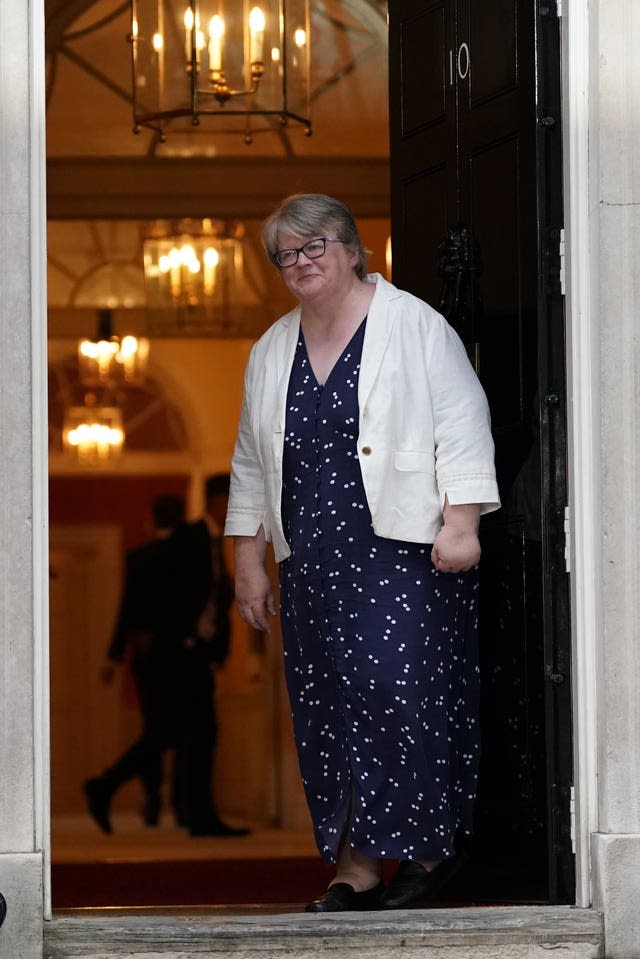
(254, 593)
(457, 547)
(465, 469)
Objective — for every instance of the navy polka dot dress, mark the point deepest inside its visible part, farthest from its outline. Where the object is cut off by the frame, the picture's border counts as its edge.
(380, 648)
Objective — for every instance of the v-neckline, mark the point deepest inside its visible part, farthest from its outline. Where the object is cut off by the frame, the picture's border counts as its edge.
(320, 385)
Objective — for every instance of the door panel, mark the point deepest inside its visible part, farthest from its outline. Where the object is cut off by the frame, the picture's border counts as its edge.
(477, 175)
(424, 40)
(493, 43)
(423, 162)
(425, 203)
(496, 223)
(89, 722)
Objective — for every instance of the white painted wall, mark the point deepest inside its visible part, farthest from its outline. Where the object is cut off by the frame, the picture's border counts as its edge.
(604, 219)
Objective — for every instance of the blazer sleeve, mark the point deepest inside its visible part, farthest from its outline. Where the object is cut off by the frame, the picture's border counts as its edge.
(464, 448)
(247, 509)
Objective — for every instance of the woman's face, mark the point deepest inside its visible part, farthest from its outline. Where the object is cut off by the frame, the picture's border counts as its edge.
(311, 278)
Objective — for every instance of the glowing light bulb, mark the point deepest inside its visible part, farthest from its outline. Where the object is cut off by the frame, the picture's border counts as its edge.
(257, 24)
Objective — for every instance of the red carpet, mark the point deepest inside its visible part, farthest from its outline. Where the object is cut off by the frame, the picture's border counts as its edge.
(188, 883)
(235, 882)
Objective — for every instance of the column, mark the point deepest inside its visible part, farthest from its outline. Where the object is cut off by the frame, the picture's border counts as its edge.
(23, 759)
(615, 161)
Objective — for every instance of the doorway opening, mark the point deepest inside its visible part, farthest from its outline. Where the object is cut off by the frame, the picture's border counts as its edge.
(452, 164)
(106, 189)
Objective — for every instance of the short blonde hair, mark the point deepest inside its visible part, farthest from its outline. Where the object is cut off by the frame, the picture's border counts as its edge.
(306, 215)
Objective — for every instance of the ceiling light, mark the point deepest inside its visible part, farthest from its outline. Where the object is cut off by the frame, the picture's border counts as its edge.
(220, 60)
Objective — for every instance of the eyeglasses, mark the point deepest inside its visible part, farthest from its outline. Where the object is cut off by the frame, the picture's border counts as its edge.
(312, 250)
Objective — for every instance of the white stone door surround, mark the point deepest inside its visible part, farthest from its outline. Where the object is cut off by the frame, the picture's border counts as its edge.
(24, 756)
(601, 116)
(601, 82)
(582, 418)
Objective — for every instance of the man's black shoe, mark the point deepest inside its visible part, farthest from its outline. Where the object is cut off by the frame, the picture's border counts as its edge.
(151, 810)
(99, 801)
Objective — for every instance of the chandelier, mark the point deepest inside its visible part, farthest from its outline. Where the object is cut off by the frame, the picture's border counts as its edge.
(92, 433)
(246, 64)
(109, 359)
(193, 273)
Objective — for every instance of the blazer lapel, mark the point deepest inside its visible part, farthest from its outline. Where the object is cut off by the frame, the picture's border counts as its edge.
(380, 320)
(285, 352)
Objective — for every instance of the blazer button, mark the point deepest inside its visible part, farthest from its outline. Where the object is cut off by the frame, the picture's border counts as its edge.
(366, 451)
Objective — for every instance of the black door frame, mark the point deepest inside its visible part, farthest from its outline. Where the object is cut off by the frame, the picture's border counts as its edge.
(553, 431)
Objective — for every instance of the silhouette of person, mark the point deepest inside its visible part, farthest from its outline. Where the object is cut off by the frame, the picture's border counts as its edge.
(204, 652)
(167, 586)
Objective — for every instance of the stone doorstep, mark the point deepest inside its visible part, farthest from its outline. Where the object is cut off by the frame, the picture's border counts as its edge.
(514, 932)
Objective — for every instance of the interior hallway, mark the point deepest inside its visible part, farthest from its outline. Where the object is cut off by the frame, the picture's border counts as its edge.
(164, 866)
(76, 839)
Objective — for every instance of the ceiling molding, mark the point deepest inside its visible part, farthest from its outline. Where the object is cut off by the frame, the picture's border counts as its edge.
(150, 188)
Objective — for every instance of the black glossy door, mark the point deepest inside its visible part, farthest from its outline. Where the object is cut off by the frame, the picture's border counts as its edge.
(475, 149)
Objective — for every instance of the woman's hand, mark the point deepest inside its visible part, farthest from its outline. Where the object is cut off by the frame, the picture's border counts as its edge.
(255, 599)
(254, 593)
(457, 547)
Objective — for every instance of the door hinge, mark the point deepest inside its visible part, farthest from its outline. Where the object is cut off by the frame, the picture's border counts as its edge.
(559, 10)
(572, 817)
(561, 254)
(567, 540)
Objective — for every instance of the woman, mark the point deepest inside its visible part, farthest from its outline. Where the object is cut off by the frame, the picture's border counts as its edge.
(364, 455)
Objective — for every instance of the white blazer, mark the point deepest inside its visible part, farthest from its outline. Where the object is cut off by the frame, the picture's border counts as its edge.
(424, 429)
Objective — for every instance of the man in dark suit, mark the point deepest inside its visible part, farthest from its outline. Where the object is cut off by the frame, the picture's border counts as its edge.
(205, 651)
(174, 617)
(167, 586)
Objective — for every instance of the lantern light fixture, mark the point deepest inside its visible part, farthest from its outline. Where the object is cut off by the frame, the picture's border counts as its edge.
(198, 59)
(93, 434)
(109, 359)
(193, 276)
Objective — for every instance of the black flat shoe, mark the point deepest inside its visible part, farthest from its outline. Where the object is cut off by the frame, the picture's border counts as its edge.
(412, 884)
(99, 801)
(342, 897)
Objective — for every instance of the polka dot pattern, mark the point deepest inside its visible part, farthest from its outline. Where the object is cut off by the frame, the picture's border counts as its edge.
(380, 648)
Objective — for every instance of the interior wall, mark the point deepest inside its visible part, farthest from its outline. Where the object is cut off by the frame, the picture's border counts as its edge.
(256, 777)
(94, 521)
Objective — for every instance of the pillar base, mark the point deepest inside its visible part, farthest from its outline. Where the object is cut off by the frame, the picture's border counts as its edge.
(616, 891)
(21, 886)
